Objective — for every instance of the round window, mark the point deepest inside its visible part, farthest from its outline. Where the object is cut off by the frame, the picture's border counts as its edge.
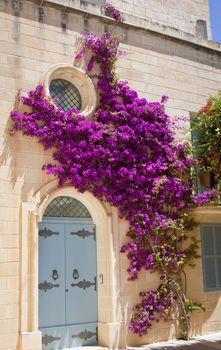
(65, 94)
(70, 87)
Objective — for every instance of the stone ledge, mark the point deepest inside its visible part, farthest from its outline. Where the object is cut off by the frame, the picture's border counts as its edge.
(207, 209)
(164, 31)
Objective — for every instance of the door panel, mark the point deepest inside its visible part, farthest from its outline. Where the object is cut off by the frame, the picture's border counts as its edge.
(51, 275)
(83, 334)
(81, 298)
(54, 338)
(67, 283)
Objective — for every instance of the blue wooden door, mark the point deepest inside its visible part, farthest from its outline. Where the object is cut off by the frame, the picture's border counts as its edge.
(67, 283)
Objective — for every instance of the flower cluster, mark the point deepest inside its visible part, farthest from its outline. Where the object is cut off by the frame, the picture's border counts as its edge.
(105, 52)
(125, 154)
(206, 127)
(112, 12)
(206, 197)
(154, 306)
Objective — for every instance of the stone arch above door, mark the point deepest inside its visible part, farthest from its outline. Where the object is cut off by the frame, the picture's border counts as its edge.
(107, 268)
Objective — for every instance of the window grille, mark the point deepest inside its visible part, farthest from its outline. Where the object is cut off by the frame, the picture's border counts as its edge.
(211, 256)
(66, 95)
(64, 206)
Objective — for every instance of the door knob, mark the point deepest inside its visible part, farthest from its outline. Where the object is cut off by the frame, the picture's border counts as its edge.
(75, 274)
(55, 275)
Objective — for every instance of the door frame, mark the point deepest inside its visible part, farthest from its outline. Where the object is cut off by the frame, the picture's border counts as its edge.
(106, 220)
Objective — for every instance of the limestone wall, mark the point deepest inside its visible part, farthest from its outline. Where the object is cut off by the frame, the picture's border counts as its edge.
(181, 15)
(157, 14)
(155, 66)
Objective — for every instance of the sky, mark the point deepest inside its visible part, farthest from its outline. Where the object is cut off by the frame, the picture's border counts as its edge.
(215, 15)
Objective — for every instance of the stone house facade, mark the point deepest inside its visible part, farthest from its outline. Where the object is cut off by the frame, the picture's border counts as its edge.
(170, 52)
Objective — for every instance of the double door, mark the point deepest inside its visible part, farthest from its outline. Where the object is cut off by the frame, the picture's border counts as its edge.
(67, 283)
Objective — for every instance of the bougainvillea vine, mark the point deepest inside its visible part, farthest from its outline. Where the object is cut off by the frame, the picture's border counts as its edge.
(113, 12)
(127, 155)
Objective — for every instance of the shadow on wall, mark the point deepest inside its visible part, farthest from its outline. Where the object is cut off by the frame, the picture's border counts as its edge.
(23, 158)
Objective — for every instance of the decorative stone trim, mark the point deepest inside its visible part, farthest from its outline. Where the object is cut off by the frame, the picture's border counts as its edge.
(108, 286)
(79, 79)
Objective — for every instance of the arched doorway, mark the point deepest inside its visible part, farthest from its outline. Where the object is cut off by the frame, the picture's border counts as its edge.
(67, 275)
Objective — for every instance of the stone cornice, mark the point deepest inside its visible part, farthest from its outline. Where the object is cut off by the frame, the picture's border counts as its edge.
(178, 36)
